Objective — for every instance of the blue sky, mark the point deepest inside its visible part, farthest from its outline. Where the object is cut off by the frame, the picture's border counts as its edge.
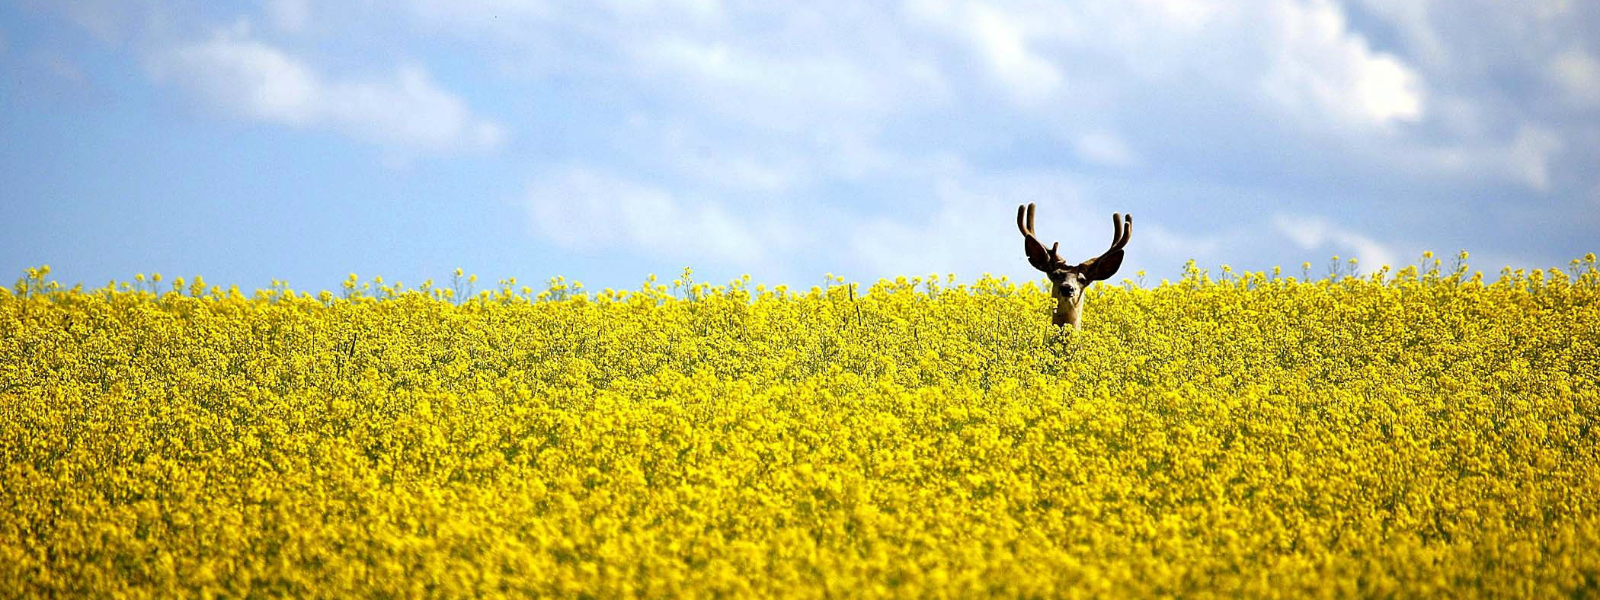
(608, 139)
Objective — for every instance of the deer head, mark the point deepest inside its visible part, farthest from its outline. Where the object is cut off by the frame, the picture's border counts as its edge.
(1068, 282)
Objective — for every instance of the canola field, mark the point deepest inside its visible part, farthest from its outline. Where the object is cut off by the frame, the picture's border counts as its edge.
(1425, 432)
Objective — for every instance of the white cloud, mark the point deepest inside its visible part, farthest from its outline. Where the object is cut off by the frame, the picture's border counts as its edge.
(254, 80)
(760, 164)
(735, 171)
(972, 229)
(1577, 75)
(742, 172)
(1410, 20)
(779, 92)
(584, 209)
(1531, 153)
(1302, 56)
(577, 40)
(798, 91)
(288, 15)
(515, 17)
(703, 9)
(1105, 149)
(1315, 232)
(1319, 62)
(1002, 39)
(1173, 247)
(1004, 44)
(1527, 158)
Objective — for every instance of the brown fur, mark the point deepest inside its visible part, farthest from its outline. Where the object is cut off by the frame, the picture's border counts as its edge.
(1069, 282)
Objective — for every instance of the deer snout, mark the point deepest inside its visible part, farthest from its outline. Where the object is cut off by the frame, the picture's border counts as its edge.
(1068, 289)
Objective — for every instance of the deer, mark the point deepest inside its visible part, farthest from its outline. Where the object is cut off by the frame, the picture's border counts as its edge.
(1068, 282)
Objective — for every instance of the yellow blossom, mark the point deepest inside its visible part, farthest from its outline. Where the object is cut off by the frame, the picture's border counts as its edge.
(1405, 435)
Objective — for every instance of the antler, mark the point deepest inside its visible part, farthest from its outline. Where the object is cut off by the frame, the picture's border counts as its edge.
(1121, 230)
(1105, 265)
(1038, 256)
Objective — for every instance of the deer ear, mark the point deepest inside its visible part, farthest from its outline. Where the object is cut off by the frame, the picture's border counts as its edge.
(1102, 268)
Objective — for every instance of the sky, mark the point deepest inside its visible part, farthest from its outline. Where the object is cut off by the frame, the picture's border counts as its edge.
(605, 140)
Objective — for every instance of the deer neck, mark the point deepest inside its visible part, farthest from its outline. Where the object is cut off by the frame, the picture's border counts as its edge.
(1069, 311)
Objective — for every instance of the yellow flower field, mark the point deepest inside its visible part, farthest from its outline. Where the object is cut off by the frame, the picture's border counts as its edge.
(1406, 433)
